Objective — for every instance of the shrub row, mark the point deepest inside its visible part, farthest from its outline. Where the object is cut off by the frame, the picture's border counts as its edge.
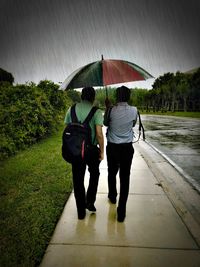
(29, 113)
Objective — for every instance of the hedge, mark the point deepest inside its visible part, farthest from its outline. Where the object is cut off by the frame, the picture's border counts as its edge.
(28, 113)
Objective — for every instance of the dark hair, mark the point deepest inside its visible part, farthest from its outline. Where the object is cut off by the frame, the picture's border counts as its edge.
(88, 93)
(123, 94)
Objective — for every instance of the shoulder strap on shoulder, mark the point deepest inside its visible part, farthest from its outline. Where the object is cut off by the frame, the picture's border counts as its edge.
(90, 115)
(73, 114)
(106, 121)
(141, 126)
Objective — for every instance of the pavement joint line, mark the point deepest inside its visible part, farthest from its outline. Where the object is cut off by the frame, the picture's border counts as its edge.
(125, 246)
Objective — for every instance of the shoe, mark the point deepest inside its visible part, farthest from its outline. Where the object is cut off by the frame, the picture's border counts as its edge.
(120, 215)
(81, 215)
(91, 207)
(112, 200)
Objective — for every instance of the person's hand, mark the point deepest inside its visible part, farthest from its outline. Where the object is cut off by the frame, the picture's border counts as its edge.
(101, 156)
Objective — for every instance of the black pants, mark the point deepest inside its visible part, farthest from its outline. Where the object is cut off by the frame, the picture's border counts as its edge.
(119, 157)
(78, 171)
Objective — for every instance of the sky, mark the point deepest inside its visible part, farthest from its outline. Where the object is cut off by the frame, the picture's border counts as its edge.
(50, 39)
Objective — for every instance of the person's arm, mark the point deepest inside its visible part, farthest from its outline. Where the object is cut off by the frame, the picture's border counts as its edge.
(100, 139)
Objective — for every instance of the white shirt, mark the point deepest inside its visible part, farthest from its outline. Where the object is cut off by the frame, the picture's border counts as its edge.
(122, 119)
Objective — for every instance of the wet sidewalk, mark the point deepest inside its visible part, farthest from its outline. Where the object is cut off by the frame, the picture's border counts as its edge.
(159, 230)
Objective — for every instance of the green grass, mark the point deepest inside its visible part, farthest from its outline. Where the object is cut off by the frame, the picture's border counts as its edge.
(177, 113)
(35, 185)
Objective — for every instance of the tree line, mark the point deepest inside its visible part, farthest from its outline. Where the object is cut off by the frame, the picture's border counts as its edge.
(170, 92)
(175, 92)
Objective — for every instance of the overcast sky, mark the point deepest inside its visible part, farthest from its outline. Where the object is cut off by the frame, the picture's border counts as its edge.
(50, 39)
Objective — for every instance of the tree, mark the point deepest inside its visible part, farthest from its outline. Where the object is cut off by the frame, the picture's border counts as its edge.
(74, 95)
(183, 90)
(163, 80)
(58, 98)
(6, 76)
(194, 82)
(164, 93)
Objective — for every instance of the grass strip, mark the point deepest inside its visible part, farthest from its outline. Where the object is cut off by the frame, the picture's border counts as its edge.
(176, 114)
(35, 185)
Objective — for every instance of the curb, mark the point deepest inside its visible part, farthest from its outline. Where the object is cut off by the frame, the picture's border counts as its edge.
(187, 177)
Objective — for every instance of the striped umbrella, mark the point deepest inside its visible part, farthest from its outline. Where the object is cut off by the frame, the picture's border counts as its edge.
(105, 72)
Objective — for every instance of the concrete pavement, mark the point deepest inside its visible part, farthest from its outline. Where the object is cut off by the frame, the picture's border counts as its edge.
(161, 228)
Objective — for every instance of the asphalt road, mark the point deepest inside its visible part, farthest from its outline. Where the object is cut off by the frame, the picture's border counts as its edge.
(178, 138)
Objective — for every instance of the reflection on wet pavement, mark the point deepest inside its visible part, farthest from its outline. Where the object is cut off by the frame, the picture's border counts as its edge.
(178, 138)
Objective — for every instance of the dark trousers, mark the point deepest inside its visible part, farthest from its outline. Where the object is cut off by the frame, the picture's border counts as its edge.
(78, 171)
(119, 157)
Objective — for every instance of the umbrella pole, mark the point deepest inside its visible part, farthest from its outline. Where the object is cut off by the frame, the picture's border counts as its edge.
(106, 92)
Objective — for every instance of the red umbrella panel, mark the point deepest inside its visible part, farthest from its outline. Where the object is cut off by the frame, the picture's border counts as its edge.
(105, 72)
(118, 71)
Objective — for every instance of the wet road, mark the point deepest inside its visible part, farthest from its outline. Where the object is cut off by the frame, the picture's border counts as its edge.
(178, 138)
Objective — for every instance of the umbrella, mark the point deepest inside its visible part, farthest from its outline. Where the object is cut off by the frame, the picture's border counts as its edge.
(105, 72)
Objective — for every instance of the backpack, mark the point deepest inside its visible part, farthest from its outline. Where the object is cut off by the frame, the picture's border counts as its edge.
(77, 137)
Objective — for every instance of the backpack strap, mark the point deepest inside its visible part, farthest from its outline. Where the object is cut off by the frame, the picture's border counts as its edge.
(90, 115)
(87, 119)
(73, 114)
(107, 116)
(141, 127)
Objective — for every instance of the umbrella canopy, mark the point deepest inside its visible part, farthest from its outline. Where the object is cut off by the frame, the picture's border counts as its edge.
(105, 72)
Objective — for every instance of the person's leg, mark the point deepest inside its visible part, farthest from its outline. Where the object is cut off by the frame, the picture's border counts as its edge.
(78, 171)
(93, 168)
(126, 157)
(113, 167)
